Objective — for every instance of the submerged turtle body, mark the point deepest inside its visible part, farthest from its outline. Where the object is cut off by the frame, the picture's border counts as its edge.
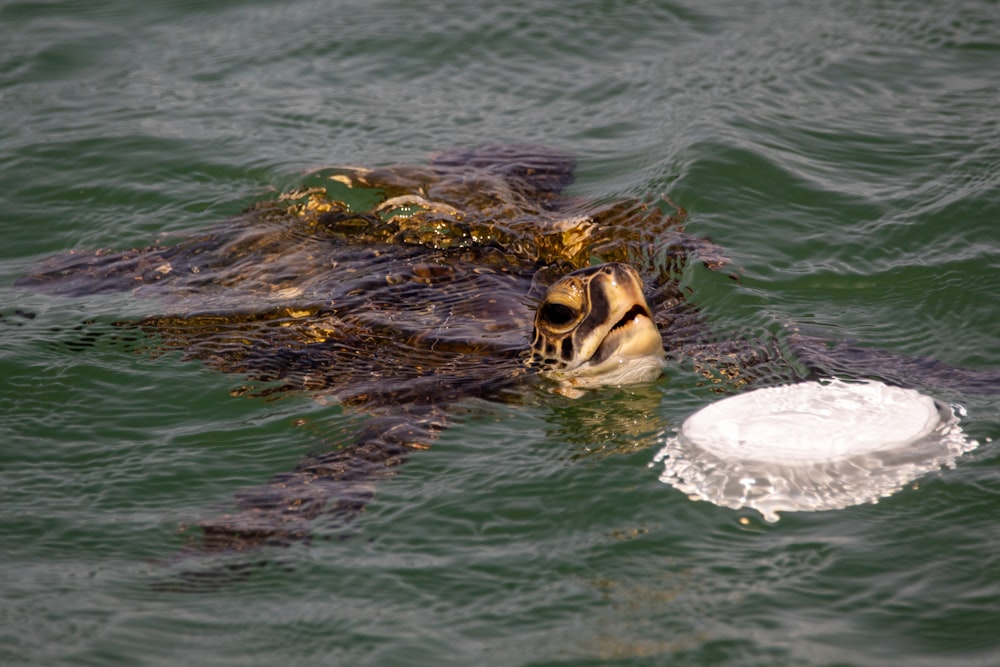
(401, 291)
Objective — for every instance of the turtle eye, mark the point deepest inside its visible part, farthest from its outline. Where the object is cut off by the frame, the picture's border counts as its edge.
(557, 314)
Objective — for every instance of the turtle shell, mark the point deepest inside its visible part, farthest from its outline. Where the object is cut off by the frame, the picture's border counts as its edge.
(396, 291)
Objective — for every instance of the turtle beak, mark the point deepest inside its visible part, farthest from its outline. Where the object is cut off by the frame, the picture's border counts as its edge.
(633, 336)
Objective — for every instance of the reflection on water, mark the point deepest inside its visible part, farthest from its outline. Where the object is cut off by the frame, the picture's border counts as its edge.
(612, 421)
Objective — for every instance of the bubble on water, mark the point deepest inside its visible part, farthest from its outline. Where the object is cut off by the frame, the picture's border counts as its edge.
(811, 446)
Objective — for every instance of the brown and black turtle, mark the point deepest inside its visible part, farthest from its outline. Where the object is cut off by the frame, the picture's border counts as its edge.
(402, 291)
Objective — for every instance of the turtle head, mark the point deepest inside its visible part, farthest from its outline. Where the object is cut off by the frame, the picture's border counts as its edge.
(593, 327)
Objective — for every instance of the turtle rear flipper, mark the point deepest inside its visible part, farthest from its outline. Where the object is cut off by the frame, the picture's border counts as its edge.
(545, 170)
(81, 273)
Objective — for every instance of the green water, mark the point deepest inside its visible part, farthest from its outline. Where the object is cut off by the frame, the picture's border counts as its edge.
(845, 154)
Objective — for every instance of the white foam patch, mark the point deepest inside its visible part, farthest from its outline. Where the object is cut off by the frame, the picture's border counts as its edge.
(811, 446)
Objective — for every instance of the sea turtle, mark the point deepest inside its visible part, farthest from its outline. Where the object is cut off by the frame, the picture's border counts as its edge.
(400, 291)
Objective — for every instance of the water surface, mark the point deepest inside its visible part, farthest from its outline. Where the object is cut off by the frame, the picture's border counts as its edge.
(847, 156)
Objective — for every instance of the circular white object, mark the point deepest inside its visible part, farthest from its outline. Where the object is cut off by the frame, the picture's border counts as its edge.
(810, 446)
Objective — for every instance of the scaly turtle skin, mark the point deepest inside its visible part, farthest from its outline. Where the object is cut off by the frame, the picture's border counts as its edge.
(400, 291)
(594, 328)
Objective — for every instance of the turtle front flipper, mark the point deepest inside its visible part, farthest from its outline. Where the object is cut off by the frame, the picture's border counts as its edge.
(851, 361)
(334, 485)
